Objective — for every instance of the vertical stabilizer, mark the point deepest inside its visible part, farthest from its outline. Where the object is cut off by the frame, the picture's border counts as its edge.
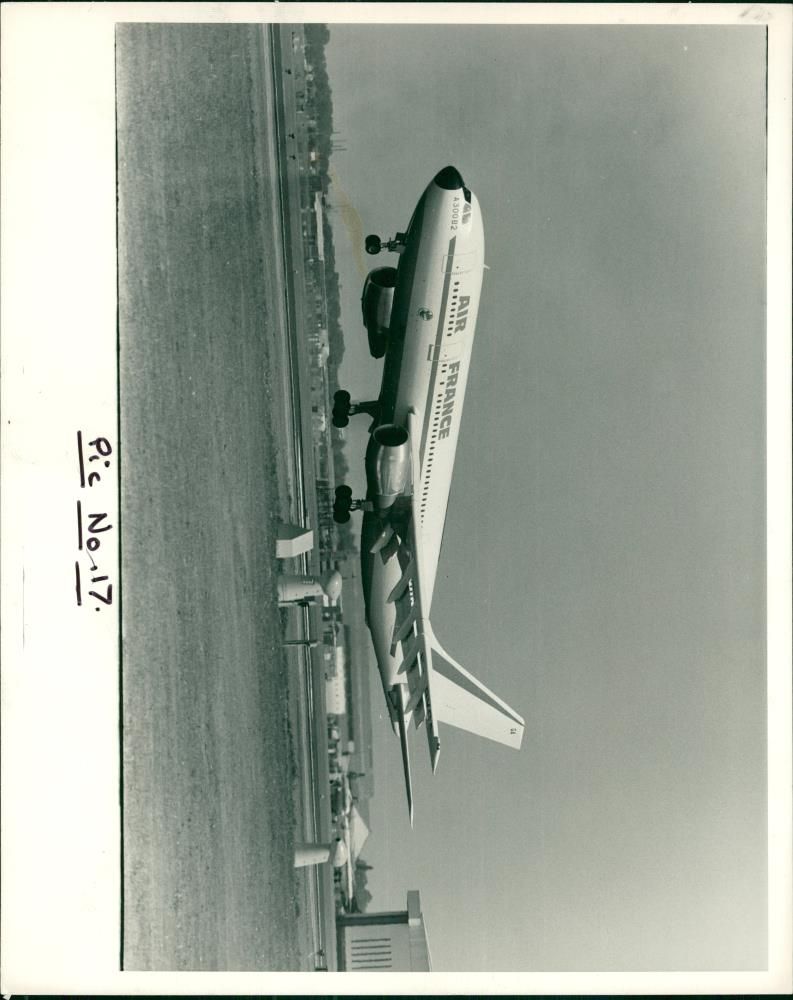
(460, 700)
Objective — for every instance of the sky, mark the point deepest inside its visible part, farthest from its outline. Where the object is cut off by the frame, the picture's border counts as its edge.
(603, 560)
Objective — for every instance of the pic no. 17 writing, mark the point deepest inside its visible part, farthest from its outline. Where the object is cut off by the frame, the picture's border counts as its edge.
(92, 525)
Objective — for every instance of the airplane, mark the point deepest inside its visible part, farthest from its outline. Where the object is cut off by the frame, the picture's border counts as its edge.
(420, 317)
(351, 835)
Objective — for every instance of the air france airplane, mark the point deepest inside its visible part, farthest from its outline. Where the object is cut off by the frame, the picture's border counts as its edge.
(421, 318)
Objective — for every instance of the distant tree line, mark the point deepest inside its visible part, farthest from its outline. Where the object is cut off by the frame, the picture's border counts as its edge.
(316, 38)
(362, 895)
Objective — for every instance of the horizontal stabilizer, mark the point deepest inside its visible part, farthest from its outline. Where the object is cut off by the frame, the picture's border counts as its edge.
(460, 700)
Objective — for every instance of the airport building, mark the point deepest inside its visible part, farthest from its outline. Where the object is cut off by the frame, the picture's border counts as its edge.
(360, 660)
(336, 684)
(395, 941)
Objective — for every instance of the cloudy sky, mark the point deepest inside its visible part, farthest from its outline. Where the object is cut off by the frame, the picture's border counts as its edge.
(603, 560)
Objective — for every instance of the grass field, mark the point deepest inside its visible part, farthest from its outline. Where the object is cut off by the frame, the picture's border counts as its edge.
(207, 768)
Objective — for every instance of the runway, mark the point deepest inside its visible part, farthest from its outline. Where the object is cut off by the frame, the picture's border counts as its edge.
(317, 883)
(221, 768)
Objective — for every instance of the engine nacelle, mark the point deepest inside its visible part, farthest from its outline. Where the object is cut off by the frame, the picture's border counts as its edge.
(376, 303)
(390, 464)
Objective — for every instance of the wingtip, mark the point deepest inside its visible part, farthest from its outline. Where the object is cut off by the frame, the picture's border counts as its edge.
(403, 739)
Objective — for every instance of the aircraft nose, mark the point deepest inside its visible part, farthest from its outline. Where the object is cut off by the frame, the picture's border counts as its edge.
(449, 178)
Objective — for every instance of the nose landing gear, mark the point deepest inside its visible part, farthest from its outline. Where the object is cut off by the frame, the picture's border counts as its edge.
(374, 244)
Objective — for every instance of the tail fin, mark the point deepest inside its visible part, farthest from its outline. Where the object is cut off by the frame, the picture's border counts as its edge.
(460, 700)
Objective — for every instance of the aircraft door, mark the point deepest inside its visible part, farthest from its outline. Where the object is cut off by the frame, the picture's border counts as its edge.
(447, 350)
(458, 263)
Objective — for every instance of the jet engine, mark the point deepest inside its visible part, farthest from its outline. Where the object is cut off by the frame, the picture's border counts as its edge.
(389, 464)
(376, 303)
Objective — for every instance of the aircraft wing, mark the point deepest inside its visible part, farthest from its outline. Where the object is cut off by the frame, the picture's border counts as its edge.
(440, 689)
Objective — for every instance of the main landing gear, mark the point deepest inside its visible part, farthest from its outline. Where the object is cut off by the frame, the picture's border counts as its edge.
(344, 408)
(374, 244)
(343, 504)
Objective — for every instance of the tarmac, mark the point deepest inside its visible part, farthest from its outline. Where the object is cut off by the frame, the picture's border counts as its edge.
(311, 714)
(215, 438)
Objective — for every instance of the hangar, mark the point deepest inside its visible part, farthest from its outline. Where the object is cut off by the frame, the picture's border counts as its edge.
(394, 941)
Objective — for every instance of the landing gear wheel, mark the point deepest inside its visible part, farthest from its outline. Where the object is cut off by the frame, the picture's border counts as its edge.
(373, 244)
(342, 504)
(341, 408)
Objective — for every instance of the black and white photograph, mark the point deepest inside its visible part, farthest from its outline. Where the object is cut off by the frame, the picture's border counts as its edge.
(399, 571)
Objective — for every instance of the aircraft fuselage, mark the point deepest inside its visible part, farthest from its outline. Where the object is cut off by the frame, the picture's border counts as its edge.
(431, 331)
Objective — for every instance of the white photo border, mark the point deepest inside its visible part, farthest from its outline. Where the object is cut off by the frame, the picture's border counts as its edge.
(60, 918)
